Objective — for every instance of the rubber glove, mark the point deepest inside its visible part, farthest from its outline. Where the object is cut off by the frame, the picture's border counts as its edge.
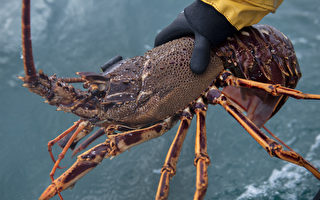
(206, 24)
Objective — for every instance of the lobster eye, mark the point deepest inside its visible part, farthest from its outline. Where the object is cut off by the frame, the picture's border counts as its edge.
(102, 87)
(98, 90)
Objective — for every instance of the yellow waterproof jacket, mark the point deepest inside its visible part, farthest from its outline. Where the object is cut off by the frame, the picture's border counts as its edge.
(241, 13)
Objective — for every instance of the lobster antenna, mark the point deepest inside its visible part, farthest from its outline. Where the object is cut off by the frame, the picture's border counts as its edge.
(28, 63)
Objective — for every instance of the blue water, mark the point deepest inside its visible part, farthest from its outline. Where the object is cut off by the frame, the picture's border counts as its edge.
(80, 35)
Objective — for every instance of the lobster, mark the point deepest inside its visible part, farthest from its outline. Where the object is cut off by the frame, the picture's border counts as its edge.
(138, 99)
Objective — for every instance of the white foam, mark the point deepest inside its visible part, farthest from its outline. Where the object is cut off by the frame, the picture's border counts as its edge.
(156, 171)
(316, 144)
(313, 149)
(286, 179)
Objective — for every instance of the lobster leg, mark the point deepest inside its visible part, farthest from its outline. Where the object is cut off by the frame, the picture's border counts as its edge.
(107, 130)
(113, 146)
(85, 162)
(62, 135)
(201, 160)
(169, 167)
(274, 89)
(272, 147)
(82, 125)
(88, 141)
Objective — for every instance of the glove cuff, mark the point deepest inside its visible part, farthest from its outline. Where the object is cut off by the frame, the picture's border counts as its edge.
(207, 21)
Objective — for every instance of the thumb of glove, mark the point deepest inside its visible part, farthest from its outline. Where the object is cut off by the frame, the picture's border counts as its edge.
(201, 54)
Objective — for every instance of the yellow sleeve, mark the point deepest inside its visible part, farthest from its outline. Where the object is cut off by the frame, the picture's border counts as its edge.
(241, 13)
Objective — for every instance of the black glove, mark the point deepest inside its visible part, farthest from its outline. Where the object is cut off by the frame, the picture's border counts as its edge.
(206, 24)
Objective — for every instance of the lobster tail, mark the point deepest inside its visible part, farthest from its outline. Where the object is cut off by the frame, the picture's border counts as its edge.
(28, 63)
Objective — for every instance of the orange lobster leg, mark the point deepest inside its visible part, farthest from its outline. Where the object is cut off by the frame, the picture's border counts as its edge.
(85, 163)
(82, 125)
(102, 131)
(201, 160)
(169, 168)
(271, 146)
(62, 135)
(274, 89)
(115, 145)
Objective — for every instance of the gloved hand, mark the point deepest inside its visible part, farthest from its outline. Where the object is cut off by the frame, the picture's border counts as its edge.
(206, 24)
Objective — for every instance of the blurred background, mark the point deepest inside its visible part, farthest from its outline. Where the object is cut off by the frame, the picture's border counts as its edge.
(81, 35)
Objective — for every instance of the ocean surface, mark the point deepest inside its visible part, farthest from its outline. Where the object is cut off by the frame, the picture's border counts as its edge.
(81, 35)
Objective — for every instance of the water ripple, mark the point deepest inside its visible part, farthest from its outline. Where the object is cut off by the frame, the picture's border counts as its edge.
(284, 182)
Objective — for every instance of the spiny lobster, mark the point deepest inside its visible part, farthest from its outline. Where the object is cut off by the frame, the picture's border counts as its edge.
(140, 98)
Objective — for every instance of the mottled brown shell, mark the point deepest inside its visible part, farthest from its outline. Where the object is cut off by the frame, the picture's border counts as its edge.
(163, 84)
